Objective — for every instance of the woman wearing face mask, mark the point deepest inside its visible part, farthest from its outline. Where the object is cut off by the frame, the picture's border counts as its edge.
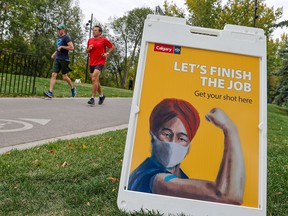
(173, 124)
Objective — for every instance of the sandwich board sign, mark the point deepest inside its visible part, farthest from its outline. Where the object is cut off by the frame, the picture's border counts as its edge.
(197, 134)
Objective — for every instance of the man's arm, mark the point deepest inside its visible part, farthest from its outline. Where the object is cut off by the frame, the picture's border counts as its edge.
(89, 47)
(69, 46)
(109, 51)
(54, 55)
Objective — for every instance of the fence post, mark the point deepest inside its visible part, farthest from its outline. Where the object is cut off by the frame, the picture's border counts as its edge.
(17, 73)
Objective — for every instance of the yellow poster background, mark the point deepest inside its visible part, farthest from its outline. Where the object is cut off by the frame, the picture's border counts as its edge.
(162, 80)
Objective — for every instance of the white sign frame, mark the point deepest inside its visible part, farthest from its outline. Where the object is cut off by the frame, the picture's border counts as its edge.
(232, 39)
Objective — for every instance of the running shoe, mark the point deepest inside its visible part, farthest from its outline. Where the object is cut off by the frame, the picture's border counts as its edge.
(91, 101)
(73, 92)
(101, 100)
(48, 94)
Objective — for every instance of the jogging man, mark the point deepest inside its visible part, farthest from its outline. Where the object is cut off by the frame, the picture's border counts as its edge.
(61, 61)
(96, 47)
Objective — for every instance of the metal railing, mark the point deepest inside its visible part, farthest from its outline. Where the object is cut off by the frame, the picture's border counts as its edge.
(17, 73)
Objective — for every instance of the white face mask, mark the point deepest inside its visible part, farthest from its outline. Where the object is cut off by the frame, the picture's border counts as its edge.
(169, 154)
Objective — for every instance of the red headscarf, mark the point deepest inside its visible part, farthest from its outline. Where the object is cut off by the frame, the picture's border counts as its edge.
(172, 107)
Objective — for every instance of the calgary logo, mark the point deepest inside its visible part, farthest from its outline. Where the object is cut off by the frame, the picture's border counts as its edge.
(167, 48)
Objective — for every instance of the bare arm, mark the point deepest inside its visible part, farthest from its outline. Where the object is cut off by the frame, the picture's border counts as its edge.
(69, 46)
(53, 55)
(230, 181)
(231, 177)
(89, 48)
(109, 51)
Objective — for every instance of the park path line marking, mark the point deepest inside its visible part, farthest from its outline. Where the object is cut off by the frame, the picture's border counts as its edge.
(39, 121)
(26, 125)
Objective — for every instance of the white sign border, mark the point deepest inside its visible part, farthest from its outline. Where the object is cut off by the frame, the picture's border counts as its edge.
(233, 39)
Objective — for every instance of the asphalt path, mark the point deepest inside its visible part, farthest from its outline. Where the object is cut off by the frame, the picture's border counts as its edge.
(29, 122)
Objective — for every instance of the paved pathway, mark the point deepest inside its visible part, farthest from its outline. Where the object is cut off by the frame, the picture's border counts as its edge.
(28, 122)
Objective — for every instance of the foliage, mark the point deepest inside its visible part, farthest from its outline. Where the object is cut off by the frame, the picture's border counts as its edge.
(273, 62)
(204, 13)
(78, 66)
(30, 26)
(282, 23)
(241, 12)
(211, 14)
(282, 88)
(127, 37)
(171, 9)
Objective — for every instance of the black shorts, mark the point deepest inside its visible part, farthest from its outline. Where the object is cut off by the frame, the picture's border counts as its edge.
(98, 67)
(62, 65)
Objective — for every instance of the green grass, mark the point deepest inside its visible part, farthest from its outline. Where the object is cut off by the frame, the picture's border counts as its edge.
(277, 161)
(81, 176)
(37, 181)
(61, 89)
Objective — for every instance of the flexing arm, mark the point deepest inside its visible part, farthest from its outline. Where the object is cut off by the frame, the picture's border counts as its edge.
(230, 181)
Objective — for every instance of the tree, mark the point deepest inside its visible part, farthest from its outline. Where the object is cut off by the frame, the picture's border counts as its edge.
(273, 62)
(127, 38)
(204, 13)
(29, 26)
(282, 24)
(241, 12)
(281, 97)
(171, 9)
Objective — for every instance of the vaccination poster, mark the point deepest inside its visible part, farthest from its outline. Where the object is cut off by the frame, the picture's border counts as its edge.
(223, 150)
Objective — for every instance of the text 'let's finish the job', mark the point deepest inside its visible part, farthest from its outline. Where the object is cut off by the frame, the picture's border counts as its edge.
(216, 77)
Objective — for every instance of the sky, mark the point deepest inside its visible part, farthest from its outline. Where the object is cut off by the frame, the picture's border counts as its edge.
(104, 9)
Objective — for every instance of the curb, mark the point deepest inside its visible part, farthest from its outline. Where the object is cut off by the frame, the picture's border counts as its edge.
(67, 137)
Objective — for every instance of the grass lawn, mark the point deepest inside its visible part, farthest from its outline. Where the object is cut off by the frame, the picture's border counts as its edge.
(277, 200)
(61, 89)
(81, 176)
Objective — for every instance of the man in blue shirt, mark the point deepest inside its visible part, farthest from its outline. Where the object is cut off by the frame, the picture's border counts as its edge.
(61, 61)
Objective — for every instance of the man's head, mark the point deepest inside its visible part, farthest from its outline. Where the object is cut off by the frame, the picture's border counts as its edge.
(97, 31)
(170, 108)
(61, 29)
(61, 26)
